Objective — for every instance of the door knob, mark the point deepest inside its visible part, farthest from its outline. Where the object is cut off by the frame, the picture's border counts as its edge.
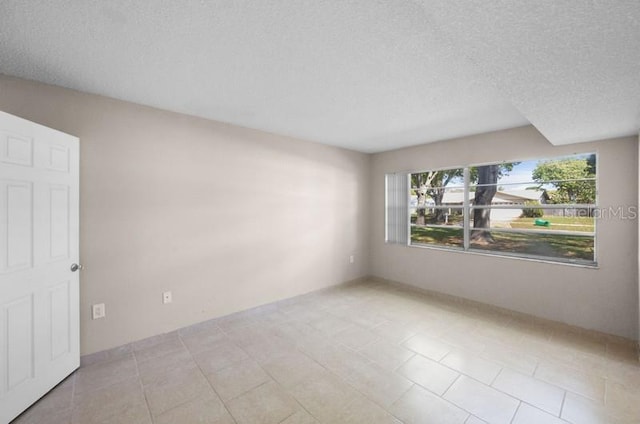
(75, 267)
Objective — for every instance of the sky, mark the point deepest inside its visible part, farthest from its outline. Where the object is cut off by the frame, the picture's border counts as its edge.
(519, 178)
(521, 173)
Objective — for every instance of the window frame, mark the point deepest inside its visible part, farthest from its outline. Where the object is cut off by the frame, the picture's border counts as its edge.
(468, 208)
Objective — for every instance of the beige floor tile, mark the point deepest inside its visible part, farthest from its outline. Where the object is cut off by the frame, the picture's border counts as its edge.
(474, 420)
(103, 374)
(292, 369)
(482, 401)
(236, 321)
(533, 391)
(166, 347)
(466, 339)
(219, 356)
(472, 365)
(591, 386)
(366, 317)
(203, 340)
(266, 404)
(300, 417)
(274, 317)
(155, 369)
(364, 411)
(511, 358)
(122, 402)
(268, 348)
(338, 359)
(355, 337)
(324, 396)
(529, 415)
(206, 409)
(329, 325)
(418, 406)
(378, 384)
(623, 401)
(174, 389)
(322, 367)
(394, 332)
(580, 410)
(428, 374)
(237, 379)
(388, 355)
(427, 346)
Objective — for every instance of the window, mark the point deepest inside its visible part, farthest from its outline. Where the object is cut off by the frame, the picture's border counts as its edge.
(538, 208)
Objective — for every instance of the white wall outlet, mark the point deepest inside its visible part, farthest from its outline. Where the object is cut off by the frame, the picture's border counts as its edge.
(98, 311)
(166, 297)
(352, 259)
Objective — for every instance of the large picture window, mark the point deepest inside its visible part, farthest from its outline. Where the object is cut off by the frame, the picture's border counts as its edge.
(538, 208)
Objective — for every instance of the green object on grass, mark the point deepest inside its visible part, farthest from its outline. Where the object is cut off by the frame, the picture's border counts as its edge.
(541, 222)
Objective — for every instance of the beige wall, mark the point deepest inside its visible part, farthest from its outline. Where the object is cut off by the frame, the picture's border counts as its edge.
(226, 218)
(604, 299)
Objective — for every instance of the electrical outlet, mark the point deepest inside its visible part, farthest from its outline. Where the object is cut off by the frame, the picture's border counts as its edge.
(166, 297)
(352, 259)
(98, 311)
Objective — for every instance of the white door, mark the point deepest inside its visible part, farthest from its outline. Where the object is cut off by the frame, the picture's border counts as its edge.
(39, 303)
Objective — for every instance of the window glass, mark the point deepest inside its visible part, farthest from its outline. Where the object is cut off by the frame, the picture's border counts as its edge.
(535, 208)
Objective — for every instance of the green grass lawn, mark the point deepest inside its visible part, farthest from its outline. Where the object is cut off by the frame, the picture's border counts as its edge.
(550, 245)
(567, 223)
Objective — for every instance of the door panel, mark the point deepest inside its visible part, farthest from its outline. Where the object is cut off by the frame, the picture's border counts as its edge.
(16, 149)
(19, 323)
(60, 319)
(59, 212)
(39, 228)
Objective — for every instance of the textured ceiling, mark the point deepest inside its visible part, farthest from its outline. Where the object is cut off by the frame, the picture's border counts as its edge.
(363, 74)
(572, 67)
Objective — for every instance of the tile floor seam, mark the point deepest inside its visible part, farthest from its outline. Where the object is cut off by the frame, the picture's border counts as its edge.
(208, 382)
(496, 377)
(414, 354)
(465, 374)
(515, 412)
(450, 385)
(404, 393)
(248, 390)
(289, 394)
(564, 398)
(144, 392)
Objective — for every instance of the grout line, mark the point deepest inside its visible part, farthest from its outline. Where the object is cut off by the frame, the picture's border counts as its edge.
(413, 355)
(564, 398)
(205, 377)
(144, 392)
(515, 413)
(496, 377)
(450, 385)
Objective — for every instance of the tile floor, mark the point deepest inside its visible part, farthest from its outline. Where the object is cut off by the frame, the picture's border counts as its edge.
(366, 353)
